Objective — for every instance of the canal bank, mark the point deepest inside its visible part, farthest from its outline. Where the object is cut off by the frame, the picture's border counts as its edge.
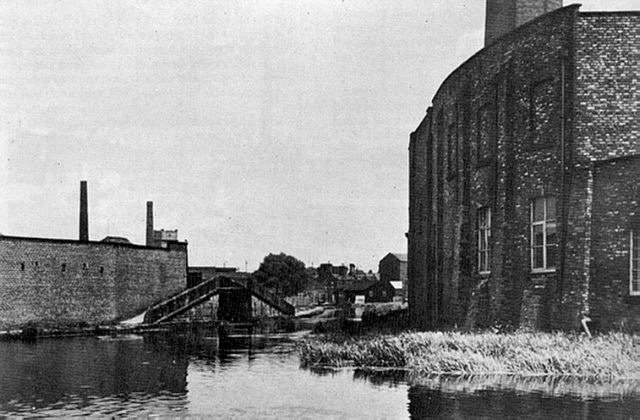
(257, 326)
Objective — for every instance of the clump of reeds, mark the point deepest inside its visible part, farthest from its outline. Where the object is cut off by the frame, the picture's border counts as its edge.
(381, 351)
(608, 356)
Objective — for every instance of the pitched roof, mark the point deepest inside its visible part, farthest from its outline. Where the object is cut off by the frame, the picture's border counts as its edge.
(396, 285)
(357, 286)
(360, 286)
(398, 256)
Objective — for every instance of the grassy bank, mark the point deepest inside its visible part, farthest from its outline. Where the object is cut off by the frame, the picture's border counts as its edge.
(610, 356)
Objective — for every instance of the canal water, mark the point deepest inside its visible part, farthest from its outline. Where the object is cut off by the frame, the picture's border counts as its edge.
(259, 377)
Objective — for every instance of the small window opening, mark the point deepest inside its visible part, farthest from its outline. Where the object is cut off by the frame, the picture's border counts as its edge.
(64, 267)
(22, 266)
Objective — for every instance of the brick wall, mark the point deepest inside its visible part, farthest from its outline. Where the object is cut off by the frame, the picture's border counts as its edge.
(482, 151)
(420, 152)
(607, 90)
(60, 283)
(615, 212)
(525, 118)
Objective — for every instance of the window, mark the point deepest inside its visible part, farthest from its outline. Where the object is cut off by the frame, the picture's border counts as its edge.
(634, 262)
(64, 267)
(484, 233)
(22, 266)
(544, 236)
(486, 121)
(541, 113)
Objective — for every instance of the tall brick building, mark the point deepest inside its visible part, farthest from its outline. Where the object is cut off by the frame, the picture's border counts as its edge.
(524, 176)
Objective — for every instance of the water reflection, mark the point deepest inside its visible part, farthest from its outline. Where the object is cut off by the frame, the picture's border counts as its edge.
(511, 396)
(70, 374)
(429, 402)
(385, 377)
(557, 387)
(178, 373)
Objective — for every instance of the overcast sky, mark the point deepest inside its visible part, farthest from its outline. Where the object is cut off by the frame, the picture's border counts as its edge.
(253, 126)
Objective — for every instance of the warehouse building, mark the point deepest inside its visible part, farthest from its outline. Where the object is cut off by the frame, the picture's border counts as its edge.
(523, 190)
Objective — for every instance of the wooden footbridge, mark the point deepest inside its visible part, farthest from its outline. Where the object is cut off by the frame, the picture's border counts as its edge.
(234, 306)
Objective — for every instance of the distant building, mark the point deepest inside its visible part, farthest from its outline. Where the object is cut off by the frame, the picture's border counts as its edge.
(327, 269)
(400, 291)
(158, 238)
(393, 269)
(326, 281)
(367, 291)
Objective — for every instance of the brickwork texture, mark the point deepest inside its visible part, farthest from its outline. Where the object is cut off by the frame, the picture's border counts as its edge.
(528, 118)
(57, 283)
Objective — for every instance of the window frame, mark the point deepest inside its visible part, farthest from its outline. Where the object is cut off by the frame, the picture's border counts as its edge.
(483, 237)
(540, 132)
(634, 256)
(546, 224)
(485, 123)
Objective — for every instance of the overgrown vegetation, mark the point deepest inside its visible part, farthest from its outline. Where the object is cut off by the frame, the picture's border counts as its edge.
(610, 356)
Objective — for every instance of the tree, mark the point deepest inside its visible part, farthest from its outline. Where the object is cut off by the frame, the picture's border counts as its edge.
(283, 274)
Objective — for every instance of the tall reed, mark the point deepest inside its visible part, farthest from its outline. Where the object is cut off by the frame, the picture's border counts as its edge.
(609, 356)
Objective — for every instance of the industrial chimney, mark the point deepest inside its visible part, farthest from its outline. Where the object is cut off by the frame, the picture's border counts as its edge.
(149, 241)
(503, 16)
(84, 213)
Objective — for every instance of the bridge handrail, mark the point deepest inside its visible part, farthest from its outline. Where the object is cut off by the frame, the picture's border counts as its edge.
(267, 296)
(166, 306)
(186, 297)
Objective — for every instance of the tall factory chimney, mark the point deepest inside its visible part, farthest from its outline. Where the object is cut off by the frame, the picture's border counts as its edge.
(149, 241)
(503, 16)
(84, 213)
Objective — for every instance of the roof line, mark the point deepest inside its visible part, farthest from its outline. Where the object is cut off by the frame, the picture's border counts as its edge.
(507, 35)
(77, 242)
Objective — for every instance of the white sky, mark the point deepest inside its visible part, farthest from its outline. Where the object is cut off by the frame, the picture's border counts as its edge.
(254, 126)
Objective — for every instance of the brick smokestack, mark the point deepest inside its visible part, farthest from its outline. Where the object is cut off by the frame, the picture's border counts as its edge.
(503, 16)
(84, 213)
(149, 241)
